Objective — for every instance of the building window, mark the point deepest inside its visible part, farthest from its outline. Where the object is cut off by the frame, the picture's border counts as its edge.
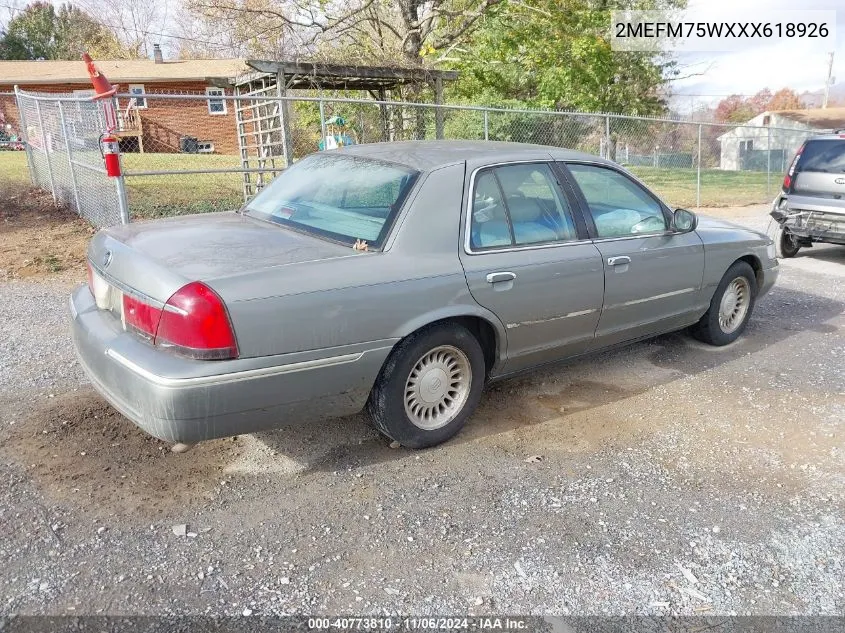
(767, 120)
(137, 89)
(216, 106)
(746, 146)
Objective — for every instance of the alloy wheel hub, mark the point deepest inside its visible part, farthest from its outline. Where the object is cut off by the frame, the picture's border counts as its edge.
(437, 387)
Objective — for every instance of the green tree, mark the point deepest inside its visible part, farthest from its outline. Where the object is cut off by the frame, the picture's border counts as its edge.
(557, 54)
(43, 32)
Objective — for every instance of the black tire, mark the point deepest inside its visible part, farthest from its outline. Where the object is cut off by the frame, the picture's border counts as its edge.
(709, 329)
(786, 244)
(386, 405)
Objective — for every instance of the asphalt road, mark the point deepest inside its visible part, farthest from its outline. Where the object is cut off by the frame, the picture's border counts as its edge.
(665, 478)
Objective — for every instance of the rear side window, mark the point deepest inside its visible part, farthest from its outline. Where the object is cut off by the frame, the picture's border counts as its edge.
(823, 156)
(519, 205)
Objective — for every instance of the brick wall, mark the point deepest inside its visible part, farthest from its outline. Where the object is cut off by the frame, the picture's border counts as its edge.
(9, 112)
(164, 121)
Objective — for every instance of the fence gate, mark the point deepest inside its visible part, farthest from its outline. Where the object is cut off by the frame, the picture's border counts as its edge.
(62, 135)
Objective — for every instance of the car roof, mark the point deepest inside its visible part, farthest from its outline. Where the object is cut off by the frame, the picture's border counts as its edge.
(430, 155)
(838, 135)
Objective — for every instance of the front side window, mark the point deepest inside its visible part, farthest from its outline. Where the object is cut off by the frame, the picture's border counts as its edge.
(618, 205)
(337, 197)
(518, 205)
(216, 106)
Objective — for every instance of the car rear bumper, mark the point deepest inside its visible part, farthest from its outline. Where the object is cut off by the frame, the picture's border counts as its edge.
(183, 400)
(811, 218)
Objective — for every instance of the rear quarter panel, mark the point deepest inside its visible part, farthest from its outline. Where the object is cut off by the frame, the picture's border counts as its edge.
(368, 297)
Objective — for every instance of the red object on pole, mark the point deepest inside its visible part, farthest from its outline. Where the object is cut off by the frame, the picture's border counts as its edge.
(111, 154)
(101, 85)
(109, 143)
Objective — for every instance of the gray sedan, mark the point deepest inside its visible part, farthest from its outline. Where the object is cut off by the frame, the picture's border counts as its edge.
(400, 279)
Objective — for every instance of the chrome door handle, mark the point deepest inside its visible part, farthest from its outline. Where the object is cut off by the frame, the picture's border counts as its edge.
(618, 261)
(493, 278)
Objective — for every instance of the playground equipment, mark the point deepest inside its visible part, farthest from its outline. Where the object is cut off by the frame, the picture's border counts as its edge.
(338, 134)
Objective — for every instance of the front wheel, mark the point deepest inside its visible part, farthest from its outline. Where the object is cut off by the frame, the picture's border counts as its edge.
(730, 307)
(429, 386)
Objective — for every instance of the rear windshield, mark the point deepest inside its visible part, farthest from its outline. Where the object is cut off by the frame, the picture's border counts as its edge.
(823, 155)
(341, 198)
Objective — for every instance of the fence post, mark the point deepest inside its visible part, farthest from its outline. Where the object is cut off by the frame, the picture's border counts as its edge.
(439, 113)
(486, 125)
(768, 161)
(120, 184)
(69, 159)
(30, 165)
(698, 172)
(323, 124)
(284, 118)
(607, 136)
(122, 202)
(46, 149)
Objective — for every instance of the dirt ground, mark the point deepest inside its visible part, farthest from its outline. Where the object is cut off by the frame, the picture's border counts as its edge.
(598, 487)
(37, 238)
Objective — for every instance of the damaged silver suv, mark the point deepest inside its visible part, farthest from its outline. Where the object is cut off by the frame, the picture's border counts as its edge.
(811, 206)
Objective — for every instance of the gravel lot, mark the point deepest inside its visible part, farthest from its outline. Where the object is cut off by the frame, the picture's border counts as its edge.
(666, 478)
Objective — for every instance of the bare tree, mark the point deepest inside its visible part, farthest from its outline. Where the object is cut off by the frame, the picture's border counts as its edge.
(138, 23)
(250, 32)
(405, 32)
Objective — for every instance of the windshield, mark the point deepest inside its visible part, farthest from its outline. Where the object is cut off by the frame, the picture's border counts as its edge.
(342, 198)
(823, 155)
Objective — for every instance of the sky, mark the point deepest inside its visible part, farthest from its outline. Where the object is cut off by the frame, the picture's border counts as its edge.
(769, 65)
(708, 76)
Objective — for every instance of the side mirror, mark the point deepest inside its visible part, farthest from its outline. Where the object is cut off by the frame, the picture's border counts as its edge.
(684, 221)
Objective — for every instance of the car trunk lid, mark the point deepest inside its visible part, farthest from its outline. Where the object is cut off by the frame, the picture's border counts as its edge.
(820, 184)
(155, 259)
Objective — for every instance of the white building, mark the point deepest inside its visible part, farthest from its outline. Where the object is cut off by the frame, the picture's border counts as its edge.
(781, 132)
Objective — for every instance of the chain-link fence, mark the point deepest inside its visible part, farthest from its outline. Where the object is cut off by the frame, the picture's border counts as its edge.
(193, 153)
(62, 142)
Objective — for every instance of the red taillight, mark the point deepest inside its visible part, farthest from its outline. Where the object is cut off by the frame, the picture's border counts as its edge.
(90, 276)
(141, 316)
(787, 179)
(195, 323)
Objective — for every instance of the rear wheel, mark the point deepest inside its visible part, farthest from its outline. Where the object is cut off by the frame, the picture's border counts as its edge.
(730, 307)
(786, 244)
(429, 386)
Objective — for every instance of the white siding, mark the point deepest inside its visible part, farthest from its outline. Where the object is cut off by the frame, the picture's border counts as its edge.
(762, 138)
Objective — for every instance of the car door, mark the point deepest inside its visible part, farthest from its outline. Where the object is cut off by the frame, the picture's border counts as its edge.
(652, 275)
(528, 259)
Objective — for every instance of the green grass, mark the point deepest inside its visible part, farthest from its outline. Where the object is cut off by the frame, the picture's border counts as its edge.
(178, 194)
(13, 169)
(718, 188)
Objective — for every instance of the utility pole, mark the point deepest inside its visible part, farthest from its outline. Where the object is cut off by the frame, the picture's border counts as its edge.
(828, 80)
